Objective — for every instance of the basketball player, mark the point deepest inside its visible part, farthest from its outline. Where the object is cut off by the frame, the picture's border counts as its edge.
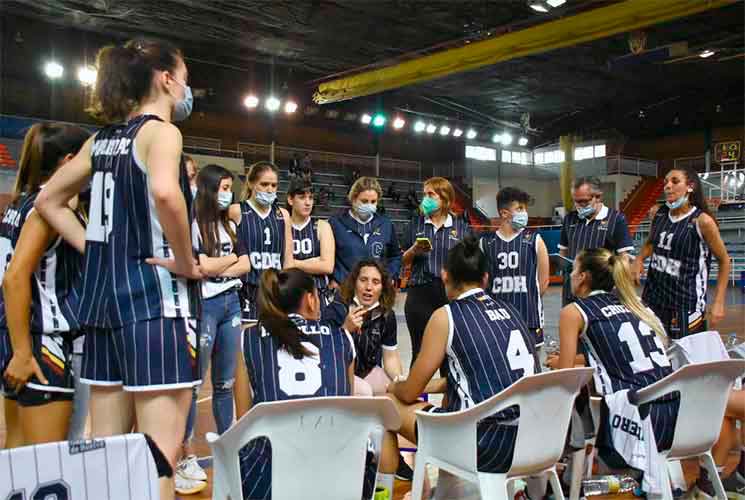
(369, 290)
(223, 262)
(290, 354)
(682, 239)
(138, 250)
(263, 231)
(622, 339)
(591, 225)
(313, 244)
(464, 332)
(518, 261)
(38, 307)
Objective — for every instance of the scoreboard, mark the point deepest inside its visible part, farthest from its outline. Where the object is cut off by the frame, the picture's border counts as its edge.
(727, 151)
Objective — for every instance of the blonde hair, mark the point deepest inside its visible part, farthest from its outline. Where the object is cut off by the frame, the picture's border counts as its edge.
(254, 171)
(364, 184)
(444, 190)
(608, 271)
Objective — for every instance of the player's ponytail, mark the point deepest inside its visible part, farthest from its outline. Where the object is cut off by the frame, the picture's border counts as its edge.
(44, 146)
(125, 76)
(608, 272)
(466, 262)
(254, 172)
(280, 293)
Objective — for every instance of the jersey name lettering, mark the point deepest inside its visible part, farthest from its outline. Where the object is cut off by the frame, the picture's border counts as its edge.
(510, 284)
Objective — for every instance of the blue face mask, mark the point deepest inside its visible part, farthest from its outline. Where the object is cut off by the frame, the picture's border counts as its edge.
(183, 108)
(519, 220)
(265, 198)
(672, 205)
(428, 206)
(585, 212)
(224, 199)
(366, 210)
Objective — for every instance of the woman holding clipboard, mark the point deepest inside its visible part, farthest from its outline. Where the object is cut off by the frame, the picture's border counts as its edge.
(431, 235)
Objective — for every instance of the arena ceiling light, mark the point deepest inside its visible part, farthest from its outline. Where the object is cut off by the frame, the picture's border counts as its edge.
(496, 138)
(290, 107)
(544, 6)
(398, 123)
(87, 75)
(506, 139)
(431, 128)
(523, 141)
(457, 132)
(706, 53)
(272, 104)
(419, 126)
(444, 130)
(251, 101)
(366, 119)
(471, 134)
(53, 70)
(379, 120)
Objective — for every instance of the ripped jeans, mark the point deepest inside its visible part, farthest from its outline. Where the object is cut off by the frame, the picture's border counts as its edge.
(219, 342)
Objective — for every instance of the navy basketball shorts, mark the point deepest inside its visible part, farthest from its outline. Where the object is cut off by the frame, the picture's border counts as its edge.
(53, 353)
(150, 355)
(249, 309)
(680, 321)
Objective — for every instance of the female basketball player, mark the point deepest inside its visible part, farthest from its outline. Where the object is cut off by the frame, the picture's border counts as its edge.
(223, 262)
(263, 231)
(313, 244)
(38, 311)
(461, 332)
(361, 232)
(138, 250)
(369, 292)
(290, 340)
(619, 336)
(683, 237)
(431, 235)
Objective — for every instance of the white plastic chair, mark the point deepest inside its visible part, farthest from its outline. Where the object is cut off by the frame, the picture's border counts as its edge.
(448, 440)
(581, 463)
(116, 468)
(319, 446)
(704, 389)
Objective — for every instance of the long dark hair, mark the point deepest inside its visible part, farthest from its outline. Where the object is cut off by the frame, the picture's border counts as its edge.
(696, 198)
(44, 146)
(208, 214)
(254, 171)
(280, 293)
(387, 294)
(125, 76)
(466, 262)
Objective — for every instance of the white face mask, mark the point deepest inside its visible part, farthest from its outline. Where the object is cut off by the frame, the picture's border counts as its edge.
(224, 199)
(366, 210)
(265, 198)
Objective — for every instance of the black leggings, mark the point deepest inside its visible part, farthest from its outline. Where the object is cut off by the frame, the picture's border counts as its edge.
(421, 302)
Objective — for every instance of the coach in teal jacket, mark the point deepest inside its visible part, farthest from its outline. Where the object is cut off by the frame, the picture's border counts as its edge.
(361, 232)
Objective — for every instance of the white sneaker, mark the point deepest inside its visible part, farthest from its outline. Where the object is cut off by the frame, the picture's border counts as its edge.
(186, 486)
(189, 468)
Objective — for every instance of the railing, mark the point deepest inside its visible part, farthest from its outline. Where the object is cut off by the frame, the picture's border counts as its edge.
(629, 165)
(336, 162)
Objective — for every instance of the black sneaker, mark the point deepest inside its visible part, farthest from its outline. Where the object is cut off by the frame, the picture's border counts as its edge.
(704, 485)
(404, 472)
(734, 486)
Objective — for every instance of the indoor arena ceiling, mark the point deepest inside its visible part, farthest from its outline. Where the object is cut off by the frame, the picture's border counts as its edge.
(590, 87)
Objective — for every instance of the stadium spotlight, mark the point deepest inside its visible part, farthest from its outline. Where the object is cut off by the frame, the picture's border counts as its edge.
(431, 128)
(398, 122)
(471, 134)
(272, 104)
(53, 70)
(419, 126)
(290, 107)
(378, 120)
(523, 141)
(457, 132)
(87, 75)
(366, 119)
(444, 130)
(251, 101)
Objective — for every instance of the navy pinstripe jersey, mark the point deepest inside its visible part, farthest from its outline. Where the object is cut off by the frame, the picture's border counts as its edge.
(679, 268)
(607, 230)
(263, 237)
(428, 266)
(276, 375)
(307, 245)
(513, 273)
(123, 230)
(54, 284)
(624, 351)
(214, 286)
(488, 350)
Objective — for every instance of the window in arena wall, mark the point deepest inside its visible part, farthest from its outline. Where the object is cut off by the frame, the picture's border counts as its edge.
(481, 153)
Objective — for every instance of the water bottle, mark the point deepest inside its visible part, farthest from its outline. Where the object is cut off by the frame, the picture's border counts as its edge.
(605, 485)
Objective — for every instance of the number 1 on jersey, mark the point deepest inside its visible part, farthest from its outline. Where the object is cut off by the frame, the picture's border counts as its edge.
(267, 236)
